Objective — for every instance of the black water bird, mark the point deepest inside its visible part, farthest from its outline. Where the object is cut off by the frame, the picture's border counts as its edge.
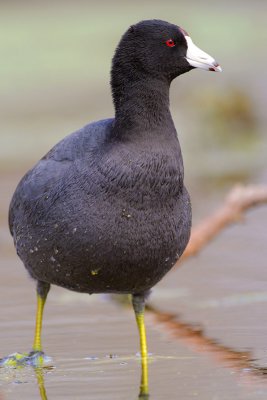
(106, 210)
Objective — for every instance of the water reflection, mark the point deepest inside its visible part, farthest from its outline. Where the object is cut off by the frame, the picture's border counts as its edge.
(143, 391)
(195, 338)
(39, 372)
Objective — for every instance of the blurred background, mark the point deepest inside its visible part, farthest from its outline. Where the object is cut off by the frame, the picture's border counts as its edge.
(54, 73)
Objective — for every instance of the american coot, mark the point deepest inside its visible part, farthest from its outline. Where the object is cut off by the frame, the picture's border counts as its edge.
(106, 210)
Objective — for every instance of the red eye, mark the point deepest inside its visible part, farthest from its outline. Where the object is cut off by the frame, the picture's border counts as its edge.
(170, 43)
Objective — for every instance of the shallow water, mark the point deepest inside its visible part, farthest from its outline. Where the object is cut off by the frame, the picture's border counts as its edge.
(206, 329)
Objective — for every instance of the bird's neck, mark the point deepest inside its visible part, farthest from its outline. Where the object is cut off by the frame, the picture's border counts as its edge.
(141, 106)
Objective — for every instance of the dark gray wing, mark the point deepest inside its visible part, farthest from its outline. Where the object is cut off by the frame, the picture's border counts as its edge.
(52, 172)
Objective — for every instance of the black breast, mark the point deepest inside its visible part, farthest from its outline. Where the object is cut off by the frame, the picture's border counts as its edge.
(110, 218)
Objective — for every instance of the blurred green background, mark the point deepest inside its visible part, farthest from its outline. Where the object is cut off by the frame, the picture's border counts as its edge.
(55, 63)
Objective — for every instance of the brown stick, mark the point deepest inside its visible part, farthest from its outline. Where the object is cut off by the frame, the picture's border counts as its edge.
(236, 203)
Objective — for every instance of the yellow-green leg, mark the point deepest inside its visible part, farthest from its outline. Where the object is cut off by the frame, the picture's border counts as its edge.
(41, 299)
(36, 356)
(139, 307)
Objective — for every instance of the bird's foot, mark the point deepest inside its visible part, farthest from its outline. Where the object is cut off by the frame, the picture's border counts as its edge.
(34, 359)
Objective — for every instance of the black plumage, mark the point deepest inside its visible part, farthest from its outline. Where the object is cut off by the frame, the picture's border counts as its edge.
(106, 209)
